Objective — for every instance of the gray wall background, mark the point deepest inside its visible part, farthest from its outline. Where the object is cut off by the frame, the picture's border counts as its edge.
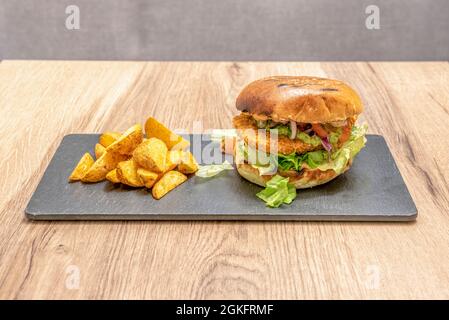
(225, 30)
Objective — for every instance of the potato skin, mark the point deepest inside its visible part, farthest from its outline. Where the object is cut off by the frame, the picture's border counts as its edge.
(168, 182)
(108, 138)
(127, 173)
(99, 150)
(128, 141)
(188, 163)
(151, 155)
(183, 144)
(147, 177)
(173, 159)
(155, 129)
(112, 176)
(107, 162)
(82, 167)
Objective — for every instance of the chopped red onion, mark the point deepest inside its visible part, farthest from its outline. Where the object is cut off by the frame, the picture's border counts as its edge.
(293, 128)
(326, 144)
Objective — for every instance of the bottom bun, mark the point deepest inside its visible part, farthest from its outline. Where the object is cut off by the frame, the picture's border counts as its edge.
(301, 180)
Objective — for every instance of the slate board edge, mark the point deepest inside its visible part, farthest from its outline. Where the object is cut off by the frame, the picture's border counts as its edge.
(222, 217)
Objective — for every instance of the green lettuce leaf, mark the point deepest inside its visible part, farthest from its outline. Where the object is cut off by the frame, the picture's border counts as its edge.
(341, 157)
(316, 158)
(294, 161)
(277, 192)
(320, 159)
(291, 194)
(208, 171)
(290, 161)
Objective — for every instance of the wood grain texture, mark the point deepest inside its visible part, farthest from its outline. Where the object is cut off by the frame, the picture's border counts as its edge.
(407, 103)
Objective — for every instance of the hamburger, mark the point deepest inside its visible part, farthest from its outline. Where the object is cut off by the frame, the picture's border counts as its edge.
(301, 128)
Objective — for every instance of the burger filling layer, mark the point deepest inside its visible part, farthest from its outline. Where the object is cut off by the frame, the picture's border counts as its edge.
(315, 135)
(300, 146)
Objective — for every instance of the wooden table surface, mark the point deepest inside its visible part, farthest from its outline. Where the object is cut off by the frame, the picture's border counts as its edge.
(40, 102)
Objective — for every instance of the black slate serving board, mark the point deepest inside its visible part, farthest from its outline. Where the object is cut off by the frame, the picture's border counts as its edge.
(372, 190)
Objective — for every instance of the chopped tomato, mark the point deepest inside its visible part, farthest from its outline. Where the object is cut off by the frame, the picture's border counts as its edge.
(319, 130)
(345, 134)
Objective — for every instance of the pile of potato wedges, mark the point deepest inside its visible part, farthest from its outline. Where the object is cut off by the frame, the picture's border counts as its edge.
(158, 161)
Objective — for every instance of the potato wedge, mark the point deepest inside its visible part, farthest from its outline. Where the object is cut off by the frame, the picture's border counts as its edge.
(168, 182)
(107, 162)
(155, 129)
(128, 141)
(127, 173)
(82, 167)
(112, 176)
(188, 163)
(147, 177)
(108, 138)
(99, 150)
(151, 155)
(173, 159)
(183, 144)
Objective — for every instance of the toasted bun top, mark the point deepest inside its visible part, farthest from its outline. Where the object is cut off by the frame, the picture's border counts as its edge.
(301, 99)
